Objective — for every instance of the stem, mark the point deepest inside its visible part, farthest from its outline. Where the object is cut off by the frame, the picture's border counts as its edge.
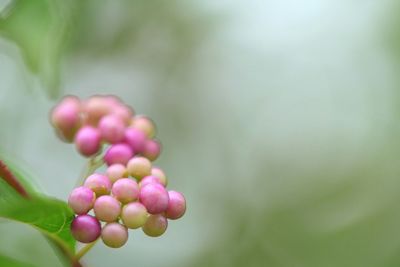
(92, 165)
(85, 250)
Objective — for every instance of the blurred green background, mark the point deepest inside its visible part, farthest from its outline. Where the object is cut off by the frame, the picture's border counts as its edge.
(279, 120)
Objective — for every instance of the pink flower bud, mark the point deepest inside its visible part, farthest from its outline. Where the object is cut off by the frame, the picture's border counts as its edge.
(125, 190)
(155, 225)
(118, 153)
(112, 129)
(81, 200)
(85, 228)
(154, 197)
(134, 215)
(136, 139)
(98, 183)
(88, 141)
(107, 209)
(152, 149)
(176, 205)
(114, 235)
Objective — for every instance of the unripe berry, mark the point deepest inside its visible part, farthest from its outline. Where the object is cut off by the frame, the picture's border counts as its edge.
(125, 190)
(95, 108)
(155, 225)
(98, 183)
(139, 167)
(124, 112)
(81, 200)
(85, 228)
(114, 235)
(144, 124)
(134, 215)
(116, 171)
(107, 209)
(88, 141)
(157, 172)
(136, 139)
(176, 205)
(149, 180)
(112, 129)
(154, 197)
(152, 149)
(66, 119)
(118, 153)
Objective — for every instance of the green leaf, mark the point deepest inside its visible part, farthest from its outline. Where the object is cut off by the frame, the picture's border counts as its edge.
(50, 216)
(10, 262)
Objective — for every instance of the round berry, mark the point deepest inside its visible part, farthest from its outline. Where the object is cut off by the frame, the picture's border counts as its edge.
(95, 108)
(125, 190)
(98, 183)
(157, 172)
(176, 205)
(116, 171)
(85, 228)
(155, 225)
(136, 139)
(150, 180)
(134, 215)
(88, 141)
(152, 149)
(124, 112)
(139, 167)
(154, 197)
(81, 200)
(66, 119)
(118, 153)
(112, 129)
(114, 235)
(144, 124)
(107, 209)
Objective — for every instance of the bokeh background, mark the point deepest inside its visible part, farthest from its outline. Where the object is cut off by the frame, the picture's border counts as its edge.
(279, 120)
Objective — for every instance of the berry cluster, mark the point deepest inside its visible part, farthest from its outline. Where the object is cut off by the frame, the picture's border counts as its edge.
(131, 193)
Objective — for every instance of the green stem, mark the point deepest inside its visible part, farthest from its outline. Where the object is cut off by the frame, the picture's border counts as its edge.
(85, 250)
(93, 164)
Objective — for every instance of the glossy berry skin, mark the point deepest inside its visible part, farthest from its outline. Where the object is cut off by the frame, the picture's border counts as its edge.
(152, 149)
(145, 124)
(116, 171)
(157, 172)
(99, 184)
(118, 153)
(134, 215)
(139, 167)
(176, 205)
(81, 200)
(66, 119)
(114, 235)
(154, 197)
(125, 190)
(112, 129)
(136, 139)
(107, 209)
(155, 225)
(85, 228)
(88, 141)
(149, 180)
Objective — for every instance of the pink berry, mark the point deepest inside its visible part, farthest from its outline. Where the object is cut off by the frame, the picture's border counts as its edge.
(157, 172)
(114, 235)
(139, 167)
(136, 139)
(112, 129)
(134, 215)
(85, 228)
(154, 197)
(152, 149)
(116, 171)
(66, 119)
(98, 183)
(150, 180)
(124, 112)
(88, 141)
(155, 225)
(145, 124)
(107, 209)
(118, 153)
(95, 108)
(125, 190)
(81, 200)
(176, 205)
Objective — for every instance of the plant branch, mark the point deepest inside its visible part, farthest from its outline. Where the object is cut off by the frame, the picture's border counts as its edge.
(93, 164)
(85, 250)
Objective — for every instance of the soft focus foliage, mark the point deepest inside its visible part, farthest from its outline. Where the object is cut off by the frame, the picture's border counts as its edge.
(279, 121)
